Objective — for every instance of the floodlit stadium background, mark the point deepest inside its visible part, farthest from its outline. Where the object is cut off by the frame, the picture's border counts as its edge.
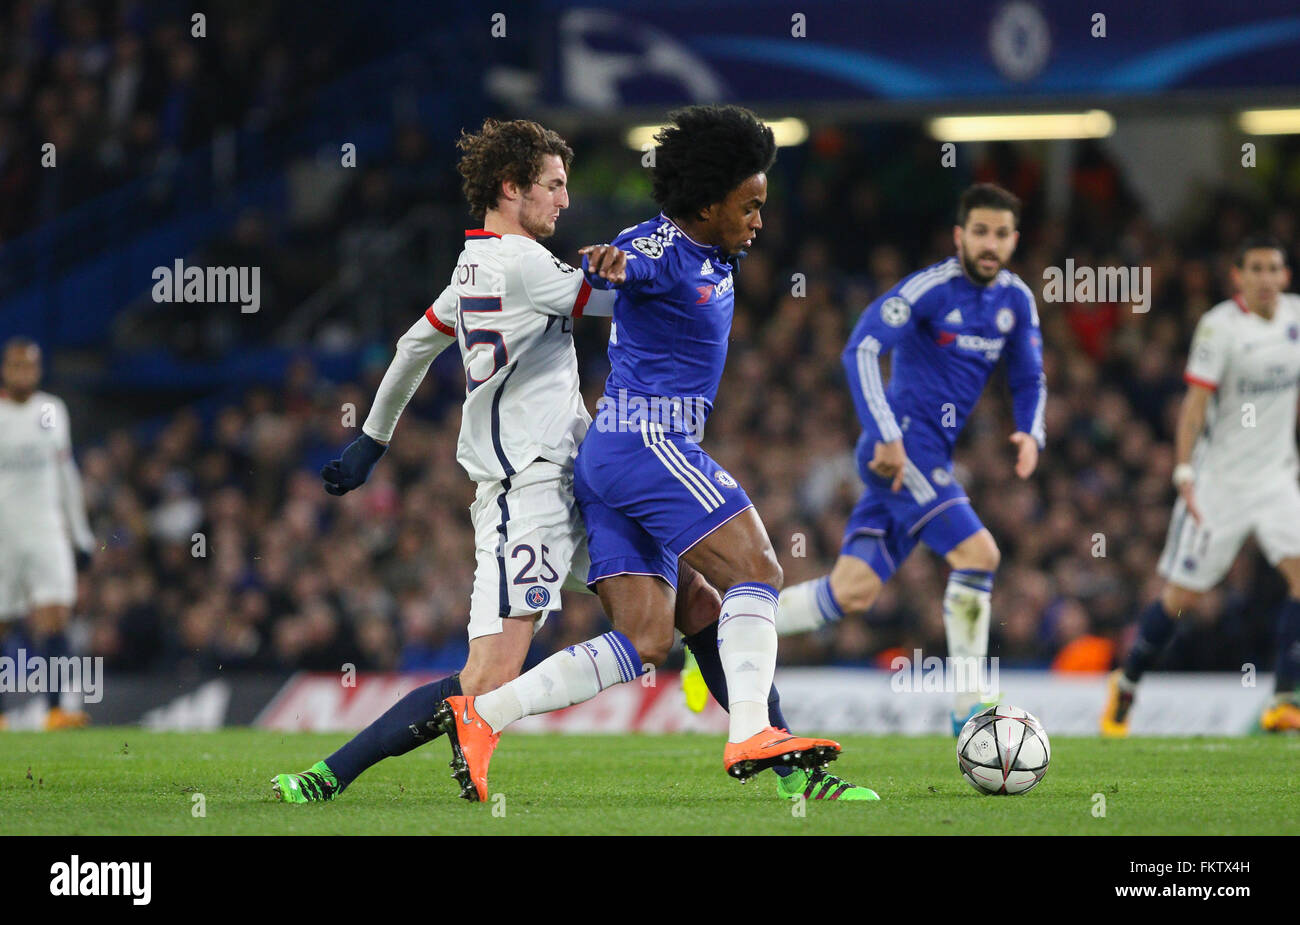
(232, 149)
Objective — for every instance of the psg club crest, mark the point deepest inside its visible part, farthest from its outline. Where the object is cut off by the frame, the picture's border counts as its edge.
(537, 596)
(724, 480)
(1005, 319)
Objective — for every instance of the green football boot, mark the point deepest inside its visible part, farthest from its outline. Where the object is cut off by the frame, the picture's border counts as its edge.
(315, 785)
(820, 785)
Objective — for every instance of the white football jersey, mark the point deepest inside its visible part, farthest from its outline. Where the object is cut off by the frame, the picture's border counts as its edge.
(510, 305)
(1253, 366)
(35, 454)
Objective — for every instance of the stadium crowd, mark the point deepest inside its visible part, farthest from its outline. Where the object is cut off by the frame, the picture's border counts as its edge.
(123, 88)
(221, 550)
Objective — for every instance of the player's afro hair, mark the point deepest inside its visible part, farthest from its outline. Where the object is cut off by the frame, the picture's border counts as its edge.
(704, 153)
(505, 151)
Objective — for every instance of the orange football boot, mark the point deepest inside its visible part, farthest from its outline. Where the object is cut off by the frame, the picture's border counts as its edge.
(66, 719)
(472, 745)
(772, 746)
(1282, 716)
(1114, 716)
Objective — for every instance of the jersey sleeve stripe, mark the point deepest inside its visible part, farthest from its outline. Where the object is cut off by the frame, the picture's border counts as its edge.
(584, 293)
(874, 390)
(1197, 380)
(433, 320)
(923, 282)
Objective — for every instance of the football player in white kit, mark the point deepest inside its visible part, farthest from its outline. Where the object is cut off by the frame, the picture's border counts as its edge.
(42, 515)
(510, 306)
(1236, 472)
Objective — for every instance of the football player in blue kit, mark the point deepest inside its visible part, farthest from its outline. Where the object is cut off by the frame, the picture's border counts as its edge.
(948, 326)
(649, 495)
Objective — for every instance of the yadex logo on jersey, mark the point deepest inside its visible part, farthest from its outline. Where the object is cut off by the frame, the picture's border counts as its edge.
(991, 347)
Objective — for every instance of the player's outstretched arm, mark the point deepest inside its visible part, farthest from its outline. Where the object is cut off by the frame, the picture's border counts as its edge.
(606, 261)
(416, 350)
(1191, 421)
(70, 490)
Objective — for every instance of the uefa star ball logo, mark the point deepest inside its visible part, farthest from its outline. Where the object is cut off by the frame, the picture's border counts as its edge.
(895, 311)
(537, 596)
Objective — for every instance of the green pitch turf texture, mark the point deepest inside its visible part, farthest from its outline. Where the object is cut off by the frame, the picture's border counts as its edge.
(130, 781)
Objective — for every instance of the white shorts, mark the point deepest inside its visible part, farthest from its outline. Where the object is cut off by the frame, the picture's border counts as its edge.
(1197, 556)
(35, 571)
(530, 543)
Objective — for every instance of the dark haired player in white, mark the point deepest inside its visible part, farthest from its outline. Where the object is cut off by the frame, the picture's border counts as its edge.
(1236, 473)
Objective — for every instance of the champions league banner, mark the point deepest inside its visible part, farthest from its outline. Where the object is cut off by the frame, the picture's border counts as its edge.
(940, 50)
(911, 701)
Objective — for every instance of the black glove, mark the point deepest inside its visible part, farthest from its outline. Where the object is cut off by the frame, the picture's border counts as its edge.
(343, 475)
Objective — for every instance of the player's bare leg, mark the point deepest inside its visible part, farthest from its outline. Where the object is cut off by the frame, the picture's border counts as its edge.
(966, 615)
(1156, 627)
(494, 660)
(48, 624)
(1283, 714)
(850, 589)
(737, 556)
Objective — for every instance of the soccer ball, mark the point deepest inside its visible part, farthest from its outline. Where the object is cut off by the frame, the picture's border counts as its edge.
(1003, 750)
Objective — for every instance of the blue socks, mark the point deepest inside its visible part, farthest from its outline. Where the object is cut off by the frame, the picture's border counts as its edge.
(827, 606)
(1155, 629)
(1288, 647)
(54, 646)
(704, 646)
(406, 725)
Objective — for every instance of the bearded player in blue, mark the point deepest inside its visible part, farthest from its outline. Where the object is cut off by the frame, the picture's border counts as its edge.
(648, 493)
(948, 327)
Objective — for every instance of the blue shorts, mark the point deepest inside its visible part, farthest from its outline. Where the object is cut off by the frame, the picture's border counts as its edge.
(931, 507)
(646, 497)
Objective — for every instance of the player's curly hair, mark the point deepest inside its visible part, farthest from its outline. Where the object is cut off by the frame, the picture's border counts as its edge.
(987, 196)
(704, 153)
(502, 151)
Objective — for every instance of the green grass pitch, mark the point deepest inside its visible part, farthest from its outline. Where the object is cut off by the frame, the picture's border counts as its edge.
(131, 781)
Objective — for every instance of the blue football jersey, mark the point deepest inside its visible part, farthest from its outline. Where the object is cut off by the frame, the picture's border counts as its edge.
(672, 322)
(947, 335)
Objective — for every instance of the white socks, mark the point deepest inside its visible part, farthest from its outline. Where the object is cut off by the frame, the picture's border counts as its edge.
(570, 676)
(806, 607)
(747, 648)
(966, 611)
